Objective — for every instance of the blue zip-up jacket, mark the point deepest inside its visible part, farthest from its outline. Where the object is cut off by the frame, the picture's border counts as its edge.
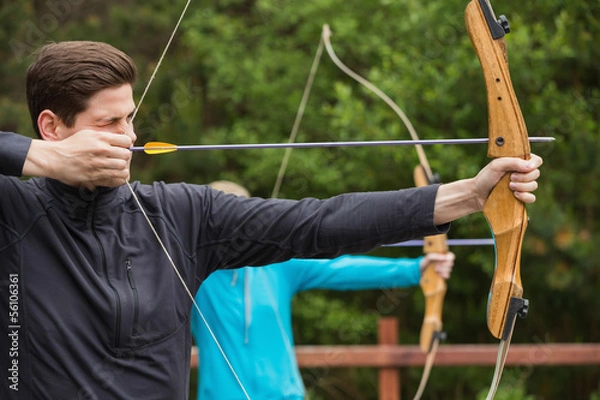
(90, 307)
(249, 312)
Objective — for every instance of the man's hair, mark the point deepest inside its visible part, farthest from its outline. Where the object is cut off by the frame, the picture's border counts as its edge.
(66, 75)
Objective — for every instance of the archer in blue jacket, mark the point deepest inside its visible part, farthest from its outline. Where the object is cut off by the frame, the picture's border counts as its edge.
(249, 312)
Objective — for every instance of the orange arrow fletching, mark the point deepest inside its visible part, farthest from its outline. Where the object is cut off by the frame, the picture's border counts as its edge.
(159, 148)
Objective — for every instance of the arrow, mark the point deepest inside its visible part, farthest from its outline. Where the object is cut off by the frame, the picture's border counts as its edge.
(451, 242)
(163, 148)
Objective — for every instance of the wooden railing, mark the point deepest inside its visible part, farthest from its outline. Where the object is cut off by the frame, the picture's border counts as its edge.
(388, 356)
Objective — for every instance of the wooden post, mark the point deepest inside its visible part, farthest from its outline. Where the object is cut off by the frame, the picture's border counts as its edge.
(389, 378)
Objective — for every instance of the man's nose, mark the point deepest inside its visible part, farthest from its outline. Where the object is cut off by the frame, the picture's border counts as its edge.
(132, 134)
(126, 128)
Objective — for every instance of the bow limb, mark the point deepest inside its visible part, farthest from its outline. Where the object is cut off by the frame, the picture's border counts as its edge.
(326, 35)
(434, 290)
(505, 214)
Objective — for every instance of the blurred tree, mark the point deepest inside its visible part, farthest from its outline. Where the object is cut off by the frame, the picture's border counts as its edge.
(236, 72)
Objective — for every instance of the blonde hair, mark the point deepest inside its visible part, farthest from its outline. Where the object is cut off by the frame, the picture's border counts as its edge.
(230, 188)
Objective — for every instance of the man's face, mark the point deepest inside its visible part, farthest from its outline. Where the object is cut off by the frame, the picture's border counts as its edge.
(110, 110)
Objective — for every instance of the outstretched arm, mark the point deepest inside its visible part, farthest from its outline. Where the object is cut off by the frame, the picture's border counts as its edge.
(354, 272)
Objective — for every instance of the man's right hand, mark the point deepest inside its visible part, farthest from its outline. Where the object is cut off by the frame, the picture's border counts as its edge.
(88, 158)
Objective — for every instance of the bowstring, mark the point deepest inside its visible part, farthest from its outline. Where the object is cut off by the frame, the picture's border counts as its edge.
(282, 170)
(427, 369)
(162, 57)
(299, 115)
(154, 231)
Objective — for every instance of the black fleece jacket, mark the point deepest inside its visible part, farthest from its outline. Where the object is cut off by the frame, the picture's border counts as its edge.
(90, 306)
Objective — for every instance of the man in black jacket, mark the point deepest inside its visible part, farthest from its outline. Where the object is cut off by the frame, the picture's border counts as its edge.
(91, 306)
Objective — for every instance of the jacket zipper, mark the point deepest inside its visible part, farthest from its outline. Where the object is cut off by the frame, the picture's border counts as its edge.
(136, 303)
(105, 267)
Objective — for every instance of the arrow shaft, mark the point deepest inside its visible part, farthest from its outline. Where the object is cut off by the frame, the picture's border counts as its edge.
(451, 242)
(368, 143)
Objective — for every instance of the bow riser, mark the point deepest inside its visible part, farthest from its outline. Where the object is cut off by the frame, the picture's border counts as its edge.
(434, 290)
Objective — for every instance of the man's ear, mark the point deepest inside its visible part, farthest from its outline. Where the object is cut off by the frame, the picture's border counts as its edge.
(49, 125)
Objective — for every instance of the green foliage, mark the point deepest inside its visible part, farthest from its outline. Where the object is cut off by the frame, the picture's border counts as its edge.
(508, 392)
(595, 395)
(236, 73)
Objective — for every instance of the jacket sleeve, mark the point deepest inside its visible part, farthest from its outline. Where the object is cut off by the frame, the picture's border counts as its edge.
(227, 231)
(234, 232)
(13, 152)
(254, 232)
(352, 273)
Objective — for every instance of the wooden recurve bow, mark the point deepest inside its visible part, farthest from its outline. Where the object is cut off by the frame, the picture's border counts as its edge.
(505, 214)
(434, 290)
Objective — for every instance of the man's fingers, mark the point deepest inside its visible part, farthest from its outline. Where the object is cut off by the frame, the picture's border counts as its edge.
(102, 142)
(123, 141)
(524, 186)
(525, 176)
(118, 153)
(525, 197)
(111, 163)
(101, 158)
(517, 165)
(535, 161)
